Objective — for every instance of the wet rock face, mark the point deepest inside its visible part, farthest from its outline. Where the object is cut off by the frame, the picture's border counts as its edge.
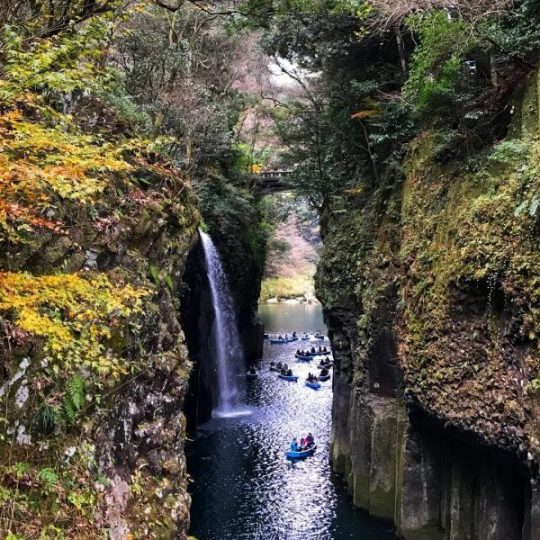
(196, 321)
(432, 482)
(145, 432)
(451, 491)
(342, 332)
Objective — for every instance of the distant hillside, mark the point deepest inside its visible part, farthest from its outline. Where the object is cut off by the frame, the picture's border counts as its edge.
(294, 251)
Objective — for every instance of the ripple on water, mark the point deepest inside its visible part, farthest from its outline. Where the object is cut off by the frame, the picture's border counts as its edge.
(244, 488)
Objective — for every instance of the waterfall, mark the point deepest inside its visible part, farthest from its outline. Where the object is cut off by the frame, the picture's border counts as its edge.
(226, 340)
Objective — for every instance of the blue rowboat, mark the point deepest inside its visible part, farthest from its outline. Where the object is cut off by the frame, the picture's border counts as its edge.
(323, 378)
(314, 385)
(301, 454)
(305, 338)
(304, 358)
(277, 341)
(291, 378)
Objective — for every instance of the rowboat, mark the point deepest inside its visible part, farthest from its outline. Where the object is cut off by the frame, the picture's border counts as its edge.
(283, 341)
(327, 365)
(323, 378)
(301, 454)
(314, 354)
(304, 358)
(314, 385)
(290, 378)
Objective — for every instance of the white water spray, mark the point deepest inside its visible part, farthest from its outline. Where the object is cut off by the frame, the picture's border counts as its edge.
(226, 340)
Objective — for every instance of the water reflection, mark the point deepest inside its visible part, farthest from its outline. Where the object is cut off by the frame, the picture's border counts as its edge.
(244, 488)
(291, 317)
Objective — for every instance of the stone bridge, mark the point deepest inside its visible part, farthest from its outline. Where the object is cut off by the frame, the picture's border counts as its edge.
(272, 181)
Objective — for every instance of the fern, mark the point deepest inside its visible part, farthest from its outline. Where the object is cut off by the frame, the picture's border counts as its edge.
(74, 397)
(76, 391)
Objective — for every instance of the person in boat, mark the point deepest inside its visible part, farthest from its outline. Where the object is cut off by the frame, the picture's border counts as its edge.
(289, 373)
(298, 352)
(280, 336)
(294, 445)
(313, 351)
(310, 441)
(324, 372)
(294, 334)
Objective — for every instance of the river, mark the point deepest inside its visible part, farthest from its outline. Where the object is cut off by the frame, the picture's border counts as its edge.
(243, 488)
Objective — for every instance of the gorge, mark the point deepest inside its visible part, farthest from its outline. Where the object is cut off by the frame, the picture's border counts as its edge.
(137, 239)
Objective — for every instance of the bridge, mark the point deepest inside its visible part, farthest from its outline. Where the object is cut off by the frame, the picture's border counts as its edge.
(272, 181)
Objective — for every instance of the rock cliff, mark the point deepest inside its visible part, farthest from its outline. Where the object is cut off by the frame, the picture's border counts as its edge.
(96, 230)
(431, 299)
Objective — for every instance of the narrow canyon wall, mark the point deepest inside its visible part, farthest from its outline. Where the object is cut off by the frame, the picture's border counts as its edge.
(431, 299)
(94, 364)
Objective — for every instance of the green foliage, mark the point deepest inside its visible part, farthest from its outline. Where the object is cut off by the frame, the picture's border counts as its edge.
(516, 32)
(46, 419)
(154, 274)
(57, 65)
(236, 221)
(437, 63)
(294, 286)
(48, 476)
(74, 397)
(249, 159)
(511, 152)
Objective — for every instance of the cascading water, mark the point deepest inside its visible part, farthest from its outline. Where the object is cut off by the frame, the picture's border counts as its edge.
(226, 340)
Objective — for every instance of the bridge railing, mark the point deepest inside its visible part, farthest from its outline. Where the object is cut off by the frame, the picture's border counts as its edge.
(274, 174)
